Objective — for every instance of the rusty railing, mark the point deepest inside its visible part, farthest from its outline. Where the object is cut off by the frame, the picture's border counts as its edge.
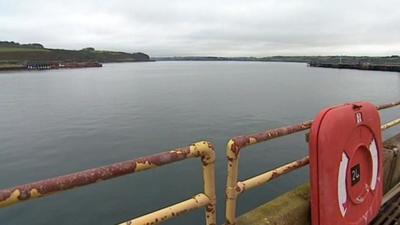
(234, 187)
(203, 150)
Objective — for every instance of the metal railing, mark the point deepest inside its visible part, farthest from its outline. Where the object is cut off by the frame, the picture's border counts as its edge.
(234, 187)
(203, 150)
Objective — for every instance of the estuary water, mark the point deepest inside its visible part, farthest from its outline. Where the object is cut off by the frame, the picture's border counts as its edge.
(61, 121)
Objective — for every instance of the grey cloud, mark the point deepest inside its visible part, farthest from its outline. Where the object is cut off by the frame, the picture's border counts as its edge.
(225, 28)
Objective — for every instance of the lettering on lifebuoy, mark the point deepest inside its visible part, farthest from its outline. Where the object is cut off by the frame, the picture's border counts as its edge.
(359, 118)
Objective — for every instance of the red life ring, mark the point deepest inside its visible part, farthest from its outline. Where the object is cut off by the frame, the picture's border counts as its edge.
(346, 165)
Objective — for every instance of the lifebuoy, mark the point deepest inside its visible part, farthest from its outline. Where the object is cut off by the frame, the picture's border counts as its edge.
(346, 165)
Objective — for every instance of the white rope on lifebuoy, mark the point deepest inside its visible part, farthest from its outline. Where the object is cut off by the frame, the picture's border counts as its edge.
(373, 150)
(342, 190)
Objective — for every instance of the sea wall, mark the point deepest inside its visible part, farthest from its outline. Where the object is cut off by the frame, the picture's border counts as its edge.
(362, 66)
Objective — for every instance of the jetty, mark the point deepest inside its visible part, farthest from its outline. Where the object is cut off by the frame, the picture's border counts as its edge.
(359, 66)
(291, 208)
(73, 65)
(6, 67)
(48, 66)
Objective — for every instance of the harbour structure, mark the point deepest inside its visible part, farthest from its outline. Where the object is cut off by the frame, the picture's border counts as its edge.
(358, 66)
(48, 65)
(57, 65)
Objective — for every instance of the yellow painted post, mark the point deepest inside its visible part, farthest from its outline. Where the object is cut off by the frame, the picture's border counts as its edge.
(233, 154)
(209, 190)
(231, 194)
(206, 152)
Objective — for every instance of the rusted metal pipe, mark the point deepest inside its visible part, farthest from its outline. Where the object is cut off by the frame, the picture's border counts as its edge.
(49, 186)
(233, 152)
(390, 124)
(388, 105)
(239, 142)
(178, 209)
(203, 150)
(270, 175)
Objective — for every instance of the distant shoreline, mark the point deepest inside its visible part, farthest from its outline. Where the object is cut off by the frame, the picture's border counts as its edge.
(52, 66)
(361, 66)
(49, 66)
(16, 56)
(386, 63)
(383, 60)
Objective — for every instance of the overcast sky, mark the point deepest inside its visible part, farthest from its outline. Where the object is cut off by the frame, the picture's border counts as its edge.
(206, 27)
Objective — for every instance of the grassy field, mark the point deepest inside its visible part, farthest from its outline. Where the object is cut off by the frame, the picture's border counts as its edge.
(8, 54)
(15, 53)
(7, 49)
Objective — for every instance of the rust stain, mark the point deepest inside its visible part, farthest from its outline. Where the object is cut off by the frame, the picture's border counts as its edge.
(210, 208)
(61, 183)
(388, 105)
(274, 175)
(228, 222)
(203, 150)
(239, 142)
(9, 197)
(238, 189)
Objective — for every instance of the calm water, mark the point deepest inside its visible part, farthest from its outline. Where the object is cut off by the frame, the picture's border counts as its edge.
(57, 122)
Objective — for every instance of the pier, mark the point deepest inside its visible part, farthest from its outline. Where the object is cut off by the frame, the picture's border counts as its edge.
(360, 66)
(49, 66)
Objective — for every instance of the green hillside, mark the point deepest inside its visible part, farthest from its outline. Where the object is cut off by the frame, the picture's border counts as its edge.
(12, 52)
